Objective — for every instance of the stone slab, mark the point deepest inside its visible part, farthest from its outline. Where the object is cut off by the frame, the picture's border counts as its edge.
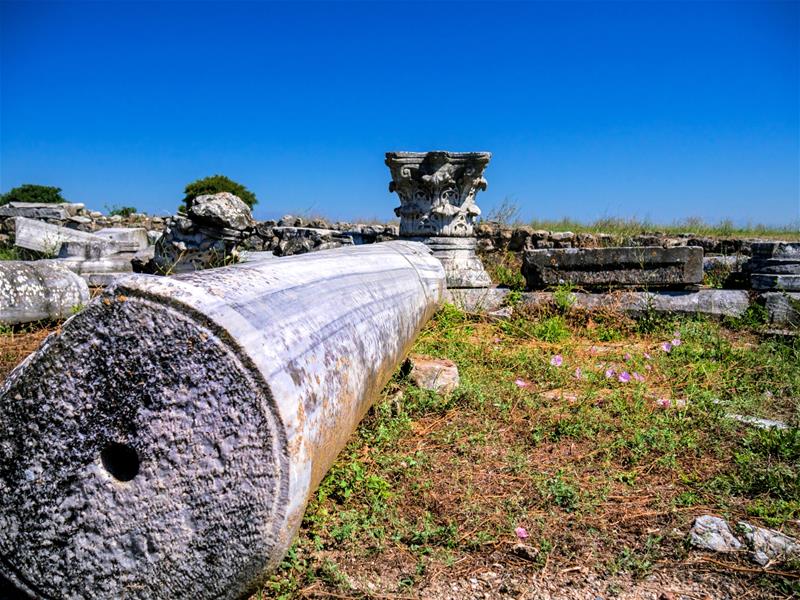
(779, 258)
(40, 210)
(775, 250)
(83, 249)
(46, 238)
(127, 239)
(782, 308)
(712, 302)
(651, 267)
(764, 281)
(100, 271)
(774, 266)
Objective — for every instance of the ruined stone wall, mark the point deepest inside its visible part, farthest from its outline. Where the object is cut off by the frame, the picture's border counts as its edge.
(71, 215)
(496, 237)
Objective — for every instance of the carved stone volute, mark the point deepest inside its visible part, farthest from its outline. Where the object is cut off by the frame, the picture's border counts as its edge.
(437, 191)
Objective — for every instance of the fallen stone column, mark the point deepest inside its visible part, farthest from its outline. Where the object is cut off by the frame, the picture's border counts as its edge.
(166, 442)
(33, 291)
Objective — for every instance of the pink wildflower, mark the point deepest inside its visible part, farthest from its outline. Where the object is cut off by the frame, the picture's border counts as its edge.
(637, 377)
(521, 532)
(624, 377)
(578, 373)
(648, 367)
(557, 360)
(628, 356)
(647, 356)
(521, 382)
(666, 346)
(676, 342)
(610, 373)
(663, 402)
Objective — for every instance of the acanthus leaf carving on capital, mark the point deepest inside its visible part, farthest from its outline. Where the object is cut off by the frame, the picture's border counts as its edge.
(437, 191)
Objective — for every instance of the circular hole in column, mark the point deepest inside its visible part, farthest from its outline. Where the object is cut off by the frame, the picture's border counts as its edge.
(121, 461)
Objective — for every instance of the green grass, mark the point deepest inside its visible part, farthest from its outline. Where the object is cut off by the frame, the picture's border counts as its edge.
(10, 253)
(429, 482)
(507, 213)
(628, 227)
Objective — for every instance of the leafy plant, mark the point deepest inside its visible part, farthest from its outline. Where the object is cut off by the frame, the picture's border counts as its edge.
(216, 184)
(564, 298)
(33, 193)
(553, 330)
(122, 211)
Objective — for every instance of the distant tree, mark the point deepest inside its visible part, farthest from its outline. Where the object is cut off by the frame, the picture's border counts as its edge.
(29, 192)
(216, 184)
(122, 211)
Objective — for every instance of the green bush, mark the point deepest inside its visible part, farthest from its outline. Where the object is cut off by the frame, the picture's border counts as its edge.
(122, 211)
(29, 192)
(216, 184)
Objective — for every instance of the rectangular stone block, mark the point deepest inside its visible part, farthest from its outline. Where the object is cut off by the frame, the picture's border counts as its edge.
(650, 267)
(46, 238)
(127, 239)
(774, 265)
(40, 210)
(765, 281)
(783, 309)
(775, 250)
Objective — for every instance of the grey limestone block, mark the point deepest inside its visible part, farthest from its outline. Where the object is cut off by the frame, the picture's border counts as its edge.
(40, 210)
(778, 249)
(764, 281)
(633, 267)
(712, 302)
(775, 266)
(165, 443)
(127, 239)
(782, 308)
(45, 237)
(97, 271)
(222, 210)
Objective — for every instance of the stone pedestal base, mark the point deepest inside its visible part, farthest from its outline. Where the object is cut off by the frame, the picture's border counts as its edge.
(463, 269)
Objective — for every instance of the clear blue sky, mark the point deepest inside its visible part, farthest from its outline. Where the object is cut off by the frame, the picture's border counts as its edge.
(647, 109)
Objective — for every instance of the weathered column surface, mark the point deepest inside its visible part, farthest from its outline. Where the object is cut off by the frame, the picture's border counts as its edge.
(166, 442)
(36, 290)
(437, 207)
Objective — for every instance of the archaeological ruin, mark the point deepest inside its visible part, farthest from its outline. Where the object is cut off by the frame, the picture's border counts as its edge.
(166, 440)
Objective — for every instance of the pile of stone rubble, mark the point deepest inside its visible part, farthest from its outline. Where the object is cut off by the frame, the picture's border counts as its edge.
(71, 215)
(437, 193)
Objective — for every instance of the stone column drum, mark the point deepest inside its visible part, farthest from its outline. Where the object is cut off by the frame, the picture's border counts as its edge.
(37, 290)
(166, 442)
(437, 207)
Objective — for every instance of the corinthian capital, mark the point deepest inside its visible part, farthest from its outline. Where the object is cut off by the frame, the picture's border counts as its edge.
(437, 191)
